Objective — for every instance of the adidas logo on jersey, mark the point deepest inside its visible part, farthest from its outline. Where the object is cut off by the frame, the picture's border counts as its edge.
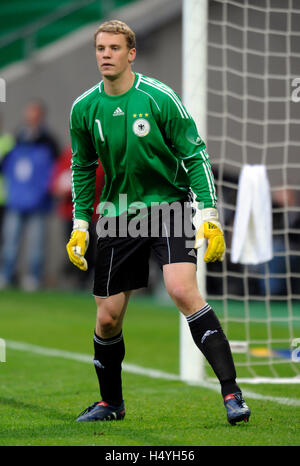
(118, 112)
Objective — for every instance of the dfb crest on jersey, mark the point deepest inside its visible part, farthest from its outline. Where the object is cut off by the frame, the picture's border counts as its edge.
(141, 127)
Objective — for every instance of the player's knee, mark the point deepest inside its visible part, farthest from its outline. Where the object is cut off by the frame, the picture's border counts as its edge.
(107, 325)
(182, 294)
(107, 321)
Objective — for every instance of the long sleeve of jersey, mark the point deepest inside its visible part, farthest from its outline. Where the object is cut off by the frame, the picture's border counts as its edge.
(84, 166)
(190, 149)
(201, 179)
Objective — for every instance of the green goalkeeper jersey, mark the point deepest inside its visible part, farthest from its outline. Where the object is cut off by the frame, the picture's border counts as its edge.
(148, 146)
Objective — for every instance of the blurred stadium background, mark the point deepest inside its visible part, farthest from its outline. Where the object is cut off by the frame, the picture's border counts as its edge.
(253, 56)
(59, 60)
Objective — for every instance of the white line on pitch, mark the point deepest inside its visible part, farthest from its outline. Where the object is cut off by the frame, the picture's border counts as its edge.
(132, 368)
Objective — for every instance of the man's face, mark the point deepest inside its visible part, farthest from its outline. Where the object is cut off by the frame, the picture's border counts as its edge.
(33, 115)
(112, 54)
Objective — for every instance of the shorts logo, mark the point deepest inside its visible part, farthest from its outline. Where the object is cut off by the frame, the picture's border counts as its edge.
(141, 127)
(192, 253)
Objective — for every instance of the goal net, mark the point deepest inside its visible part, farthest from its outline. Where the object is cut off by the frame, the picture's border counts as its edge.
(252, 103)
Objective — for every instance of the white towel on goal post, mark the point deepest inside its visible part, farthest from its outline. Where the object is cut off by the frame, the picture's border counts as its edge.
(252, 228)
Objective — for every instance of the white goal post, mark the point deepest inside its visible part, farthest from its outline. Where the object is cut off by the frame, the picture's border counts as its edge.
(194, 14)
(241, 84)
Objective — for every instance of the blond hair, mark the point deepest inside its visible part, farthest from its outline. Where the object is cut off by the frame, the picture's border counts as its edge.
(117, 27)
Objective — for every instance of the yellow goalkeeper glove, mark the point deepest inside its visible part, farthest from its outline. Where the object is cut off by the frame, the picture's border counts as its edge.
(78, 244)
(211, 230)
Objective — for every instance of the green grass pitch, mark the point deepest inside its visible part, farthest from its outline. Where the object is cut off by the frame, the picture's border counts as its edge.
(42, 395)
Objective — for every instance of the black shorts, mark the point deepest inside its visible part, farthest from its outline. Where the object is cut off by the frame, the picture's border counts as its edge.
(122, 261)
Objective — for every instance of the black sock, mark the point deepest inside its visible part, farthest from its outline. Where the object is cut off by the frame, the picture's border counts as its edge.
(208, 335)
(108, 356)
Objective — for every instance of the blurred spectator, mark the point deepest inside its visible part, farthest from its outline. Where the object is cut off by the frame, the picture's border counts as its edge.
(220, 280)
(7, 142)
(286, 220)
(27, 172)
(62, 191)
(286, 241)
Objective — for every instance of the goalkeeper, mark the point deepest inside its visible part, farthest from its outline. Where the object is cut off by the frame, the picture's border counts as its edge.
(150, 150)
